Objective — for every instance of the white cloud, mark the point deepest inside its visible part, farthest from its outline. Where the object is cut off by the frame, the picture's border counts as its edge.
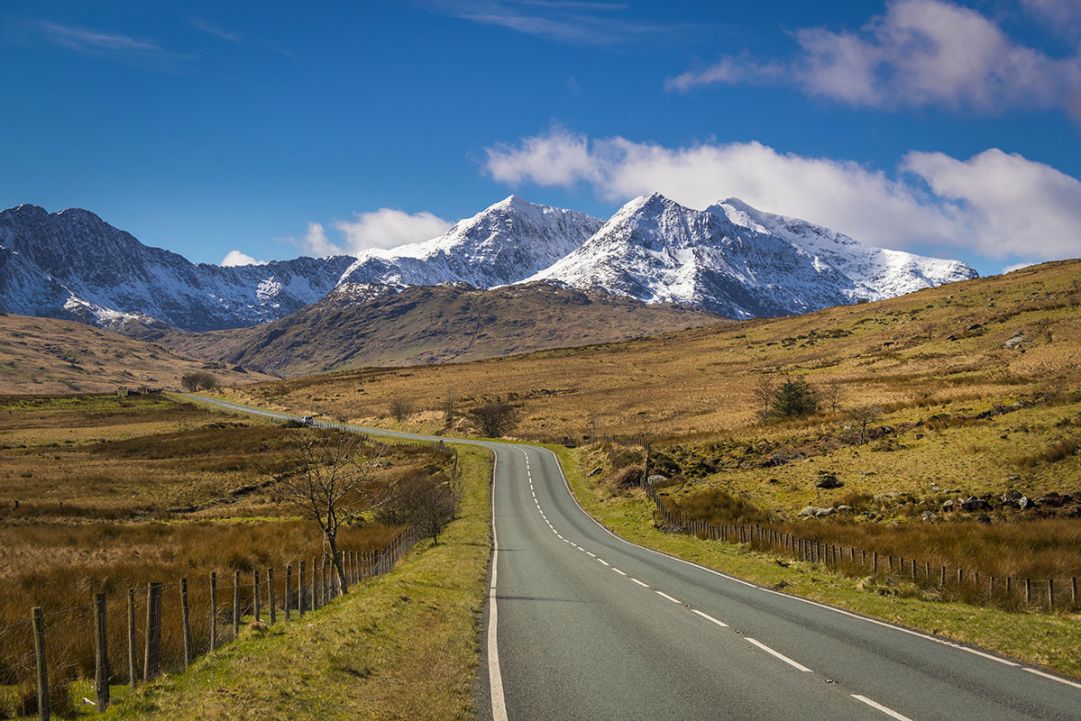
(86, 40)
(382, 228)
(1016, 266)
(1061, 15)
(921, 53)
(236, 257)
(993, 204)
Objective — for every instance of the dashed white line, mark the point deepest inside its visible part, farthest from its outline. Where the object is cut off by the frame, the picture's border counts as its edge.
(888, 711)
(662, 594)
(643, 585)
(621, 573)
(709, 618)
(794, 664)
(591, 554)
(601, 560)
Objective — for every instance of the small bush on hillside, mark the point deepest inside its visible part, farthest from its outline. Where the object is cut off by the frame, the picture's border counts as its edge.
(795, 398)
(199, 381)
(495, 418)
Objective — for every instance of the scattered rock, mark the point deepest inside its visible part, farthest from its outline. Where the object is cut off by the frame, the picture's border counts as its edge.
(1015, 340)
(972, 503)
(928, 517)
(919, 436)
(656, 478)
(1013, 477)
(1025, 502)
(948, 506)
(596, 472)
(828, 480)
(815, 512)
(1053, 500)
(951, 337)
(773, 481)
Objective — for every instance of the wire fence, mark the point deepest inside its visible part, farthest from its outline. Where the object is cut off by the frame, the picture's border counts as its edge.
(130, 636)
(162, 627)
(949, 582)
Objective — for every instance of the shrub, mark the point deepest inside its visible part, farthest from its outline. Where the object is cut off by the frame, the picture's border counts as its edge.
(199, 381)
(794, 399)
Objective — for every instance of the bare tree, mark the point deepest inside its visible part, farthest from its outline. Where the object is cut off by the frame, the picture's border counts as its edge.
(400, 409)
(450, 406)
(334, 480)
(424, 501)
(834, 391)
(496, 418)
(928, 329)
(764, 390)
(863, 417)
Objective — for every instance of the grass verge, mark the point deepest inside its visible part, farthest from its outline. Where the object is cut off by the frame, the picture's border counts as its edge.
(403, 646)
(1049, 640)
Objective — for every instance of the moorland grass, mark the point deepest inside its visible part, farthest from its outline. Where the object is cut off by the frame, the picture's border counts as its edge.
(1049, 640)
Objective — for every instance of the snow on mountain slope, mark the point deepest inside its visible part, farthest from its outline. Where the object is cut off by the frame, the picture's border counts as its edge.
(736, 261)
(878, 273)
(72, 264)
(502, 244)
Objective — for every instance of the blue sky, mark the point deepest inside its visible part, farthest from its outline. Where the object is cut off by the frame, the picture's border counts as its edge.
(277, 129)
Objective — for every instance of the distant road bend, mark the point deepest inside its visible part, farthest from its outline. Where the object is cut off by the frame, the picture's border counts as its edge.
(584, 625)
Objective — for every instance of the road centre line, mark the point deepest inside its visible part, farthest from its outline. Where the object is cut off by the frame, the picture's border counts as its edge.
(888, 711)
(794, 664)
(709, 618)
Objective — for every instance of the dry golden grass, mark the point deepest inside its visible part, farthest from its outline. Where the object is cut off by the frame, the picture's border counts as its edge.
(114, 493)
(700, 383)
(48, 356)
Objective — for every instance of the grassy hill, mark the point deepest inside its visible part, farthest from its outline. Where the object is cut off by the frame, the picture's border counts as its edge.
(431, 325)
(49, 356)
(994, 338)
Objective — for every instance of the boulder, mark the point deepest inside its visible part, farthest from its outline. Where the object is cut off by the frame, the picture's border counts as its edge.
(948, 506)
(596, 472)
(828, 480)
(1053, 500)
(815, 512)
(928, 517)
(1015, 340)
(972, 503)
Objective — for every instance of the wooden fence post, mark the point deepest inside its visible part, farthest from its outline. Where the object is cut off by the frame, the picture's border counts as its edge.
(1073, 591)
(301, 606)
(152, 657)
(288, 589)
(1051, 594)
(270, 595)
(133, 648)
(44, 708)
(324, 590)
(256, 599)
(1028, 590)
(101, 653)
(315, 584)
(1009, 587)
(213, 610)
(185, 621)
(236, 604)
(942, 578)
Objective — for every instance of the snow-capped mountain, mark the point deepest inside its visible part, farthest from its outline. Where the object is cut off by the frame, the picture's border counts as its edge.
(739, 262)
(729, 259)
(72, 264)
(505, 243)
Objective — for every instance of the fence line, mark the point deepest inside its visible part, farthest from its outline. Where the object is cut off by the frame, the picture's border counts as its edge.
(1050, 594)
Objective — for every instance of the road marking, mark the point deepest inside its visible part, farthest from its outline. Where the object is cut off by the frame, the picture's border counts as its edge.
(604, 562)
(621, 573)
(725, 576)
(888, 711)
(794, 664)
(495, 676)
(1053, 678)
(709, 618)
(591, 554)
(643, 585)
(662, 594)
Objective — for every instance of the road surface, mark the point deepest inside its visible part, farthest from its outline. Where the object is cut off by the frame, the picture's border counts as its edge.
(584, 625)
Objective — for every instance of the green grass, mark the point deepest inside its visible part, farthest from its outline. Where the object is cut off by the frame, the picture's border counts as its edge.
(1046, 640)
(403, 646)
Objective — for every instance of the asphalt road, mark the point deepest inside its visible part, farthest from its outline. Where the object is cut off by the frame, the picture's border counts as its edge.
(584, 625)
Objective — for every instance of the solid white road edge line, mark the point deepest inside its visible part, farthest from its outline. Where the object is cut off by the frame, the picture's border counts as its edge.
(495, 676)
(884, 624)
(794, 664)
(1053, 677)
(888, 711)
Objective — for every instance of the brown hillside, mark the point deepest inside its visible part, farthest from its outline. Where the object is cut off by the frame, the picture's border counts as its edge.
(361, 326)
(989, 338)
(46, 356)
